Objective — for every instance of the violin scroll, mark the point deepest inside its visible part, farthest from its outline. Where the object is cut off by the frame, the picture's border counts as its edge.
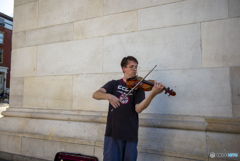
(169, 91)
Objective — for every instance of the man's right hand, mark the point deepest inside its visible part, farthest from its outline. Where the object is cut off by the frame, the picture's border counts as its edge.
(102, 94)
(113, 100)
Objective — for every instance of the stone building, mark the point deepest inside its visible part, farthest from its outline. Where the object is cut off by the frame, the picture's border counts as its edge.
(64, 51)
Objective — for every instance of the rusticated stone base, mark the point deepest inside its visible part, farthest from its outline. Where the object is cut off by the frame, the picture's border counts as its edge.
(42, 133)
(15, 157)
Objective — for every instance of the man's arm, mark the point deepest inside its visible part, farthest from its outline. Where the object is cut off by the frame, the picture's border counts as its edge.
(157, 89)
(102, 94)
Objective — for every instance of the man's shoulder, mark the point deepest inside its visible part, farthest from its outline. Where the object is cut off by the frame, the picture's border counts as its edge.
(111, 85)
(115, 81)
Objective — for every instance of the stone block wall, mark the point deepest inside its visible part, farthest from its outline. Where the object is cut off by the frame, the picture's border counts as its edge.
(64, 50)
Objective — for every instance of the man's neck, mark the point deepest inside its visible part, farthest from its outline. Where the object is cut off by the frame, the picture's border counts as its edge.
(125, 77)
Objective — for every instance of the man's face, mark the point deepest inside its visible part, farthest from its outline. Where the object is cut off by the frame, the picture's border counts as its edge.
(131, 69)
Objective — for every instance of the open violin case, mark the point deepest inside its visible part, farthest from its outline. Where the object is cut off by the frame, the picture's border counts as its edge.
(65, 156)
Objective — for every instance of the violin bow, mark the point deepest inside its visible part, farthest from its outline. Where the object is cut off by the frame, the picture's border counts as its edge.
(138, 83)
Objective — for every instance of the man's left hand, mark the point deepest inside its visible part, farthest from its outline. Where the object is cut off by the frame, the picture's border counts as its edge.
(157, 88)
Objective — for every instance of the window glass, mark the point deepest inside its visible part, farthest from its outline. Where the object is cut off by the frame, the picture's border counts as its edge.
(1, 38)
(1, 21)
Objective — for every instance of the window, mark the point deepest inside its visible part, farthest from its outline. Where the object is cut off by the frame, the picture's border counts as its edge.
(1, 55)
(2, 22)
(1, 37)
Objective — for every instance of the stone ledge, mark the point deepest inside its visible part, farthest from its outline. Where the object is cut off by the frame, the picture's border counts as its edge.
(195, 123)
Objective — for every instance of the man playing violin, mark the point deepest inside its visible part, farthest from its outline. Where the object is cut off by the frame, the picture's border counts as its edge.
(121, 135)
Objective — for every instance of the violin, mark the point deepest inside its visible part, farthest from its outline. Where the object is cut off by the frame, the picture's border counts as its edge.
(146, 85)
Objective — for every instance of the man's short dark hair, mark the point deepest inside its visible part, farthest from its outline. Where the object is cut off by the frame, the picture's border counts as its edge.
(125, 60)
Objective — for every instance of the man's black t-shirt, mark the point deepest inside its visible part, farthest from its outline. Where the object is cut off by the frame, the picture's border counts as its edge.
(122, 123)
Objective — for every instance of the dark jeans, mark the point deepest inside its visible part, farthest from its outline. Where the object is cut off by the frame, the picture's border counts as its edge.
(118, 150)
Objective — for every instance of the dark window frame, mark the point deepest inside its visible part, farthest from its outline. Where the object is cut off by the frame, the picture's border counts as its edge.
(1, 55)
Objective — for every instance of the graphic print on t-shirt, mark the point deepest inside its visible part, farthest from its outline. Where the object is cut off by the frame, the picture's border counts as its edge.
(126, 100)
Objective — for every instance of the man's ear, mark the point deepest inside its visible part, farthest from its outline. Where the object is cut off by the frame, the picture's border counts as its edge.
(123, 69)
